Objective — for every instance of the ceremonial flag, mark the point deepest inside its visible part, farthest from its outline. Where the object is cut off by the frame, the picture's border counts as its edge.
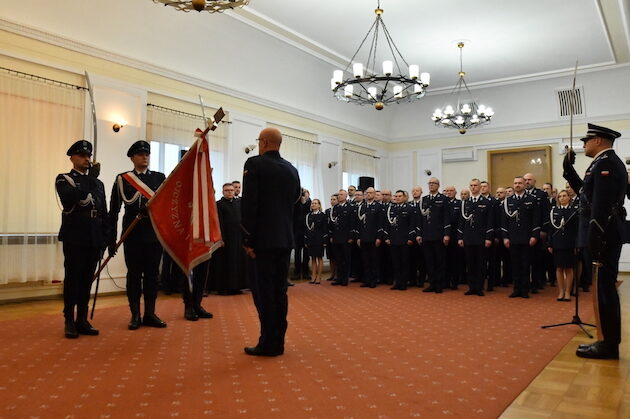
(184, 211)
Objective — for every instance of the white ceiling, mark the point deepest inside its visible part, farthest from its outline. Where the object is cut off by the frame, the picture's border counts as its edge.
(282, 53)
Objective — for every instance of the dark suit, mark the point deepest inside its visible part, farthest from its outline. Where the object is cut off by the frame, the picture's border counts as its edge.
(142, 248)
(271, 187)
(456, 266)
(369, 228)
(540, 253)
(300, 254)
(435, 225)
(417, 267)
(84, 231)
(475, 227)
(399, 230)
(341, 224)
(520, 222)
(602, 194)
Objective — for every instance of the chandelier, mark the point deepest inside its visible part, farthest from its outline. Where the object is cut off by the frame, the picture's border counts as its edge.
(364, 86)
(212, 6)
(466, 114)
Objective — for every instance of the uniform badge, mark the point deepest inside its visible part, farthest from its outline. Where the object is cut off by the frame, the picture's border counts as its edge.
(605, 173)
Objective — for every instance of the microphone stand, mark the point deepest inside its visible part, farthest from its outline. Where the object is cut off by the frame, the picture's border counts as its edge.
(576, 316)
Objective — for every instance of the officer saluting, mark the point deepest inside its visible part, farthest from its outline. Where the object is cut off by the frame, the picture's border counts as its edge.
(83, 233)
(142, 248)
(602, 193)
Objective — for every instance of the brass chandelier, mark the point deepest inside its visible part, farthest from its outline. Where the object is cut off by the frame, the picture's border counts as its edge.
(467, 113)
(363, 85)
(212, 6)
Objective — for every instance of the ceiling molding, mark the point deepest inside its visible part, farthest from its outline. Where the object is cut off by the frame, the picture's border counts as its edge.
(448, 134)
(96, 52)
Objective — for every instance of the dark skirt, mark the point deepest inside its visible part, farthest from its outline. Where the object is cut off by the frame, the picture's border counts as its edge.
(564, 258)
(316, 251)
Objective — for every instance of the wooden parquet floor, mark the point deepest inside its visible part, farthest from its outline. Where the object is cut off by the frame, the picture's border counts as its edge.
(568, 387)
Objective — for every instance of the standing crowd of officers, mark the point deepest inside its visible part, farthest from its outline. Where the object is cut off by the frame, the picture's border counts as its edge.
(522, 235)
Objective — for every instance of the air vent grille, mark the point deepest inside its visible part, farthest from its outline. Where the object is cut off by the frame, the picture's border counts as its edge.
(568, 98)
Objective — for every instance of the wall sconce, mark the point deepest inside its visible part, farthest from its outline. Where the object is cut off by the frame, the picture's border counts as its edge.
(250, 148)
(118, 125)
(332, 164)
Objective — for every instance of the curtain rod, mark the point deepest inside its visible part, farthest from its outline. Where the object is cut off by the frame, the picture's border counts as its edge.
(300, 139)
(364, 154)
(40, 78)
(178, 112)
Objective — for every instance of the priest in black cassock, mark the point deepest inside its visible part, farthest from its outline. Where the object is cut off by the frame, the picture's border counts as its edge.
(228, 263)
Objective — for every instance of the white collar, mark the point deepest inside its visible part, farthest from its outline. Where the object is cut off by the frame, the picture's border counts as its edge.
(601, 152)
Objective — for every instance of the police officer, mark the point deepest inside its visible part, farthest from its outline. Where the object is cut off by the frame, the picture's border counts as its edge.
(340, 224)
(493, 251)
(540, 253)
(417, 271)
(271, 187)
(456, 266)
(83, 234)
(142, 249)
(601, 203)
(475, 234)
(369, 236)
(435, 235)
(399, 235)
(520, 226)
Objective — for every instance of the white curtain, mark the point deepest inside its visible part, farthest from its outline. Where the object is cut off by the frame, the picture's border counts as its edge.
(355, 165)
(303, 155)
(174, 131)
(38, 123)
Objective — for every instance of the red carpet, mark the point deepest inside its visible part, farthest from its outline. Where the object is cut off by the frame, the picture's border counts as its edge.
(351, 352)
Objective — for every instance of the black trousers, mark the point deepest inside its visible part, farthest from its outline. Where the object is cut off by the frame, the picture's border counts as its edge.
(607, 296)
(417, 268)
(400, 265)
(434, 256)
(143, 266)
(371, 263)
(494, 265)
(453, 269)
(521, 257)
(356, 262)
(269, 272)
(79, 266)
(386, 264)
(538, 269)
(343, 252)
(476, 261)
(300, 259)
(503, 268)
(199, 280)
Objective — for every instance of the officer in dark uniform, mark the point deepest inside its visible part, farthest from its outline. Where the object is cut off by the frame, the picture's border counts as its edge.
(538, 269)
(369, 235)
(521, 231)
(435, 235)
(271, 187)
(456, 266)
(399, 234)
(502, 270)
(84, 231)
(341, 224)
(417, 267)
(475, 234)
(601, 203)
(142, 249)
(493, 251)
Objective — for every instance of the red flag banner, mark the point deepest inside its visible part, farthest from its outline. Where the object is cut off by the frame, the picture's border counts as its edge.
(184, 211)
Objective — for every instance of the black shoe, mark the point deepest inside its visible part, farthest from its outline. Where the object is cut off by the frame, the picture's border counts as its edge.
(336, 283)
(135, 321)
(514, 295)
(290, 284)
(454, 287)
(257, 351)
(429, 289)
(480, 293)
(152, 320)
(599, 350)
(470, 292)
(70, 330)
(490, 289)
(585, 345)
(526, 295)
(202, 313)
(372, 285)
(394, 288)
(364, 285)
(189, 314)
(85, 328)
(438, 291)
